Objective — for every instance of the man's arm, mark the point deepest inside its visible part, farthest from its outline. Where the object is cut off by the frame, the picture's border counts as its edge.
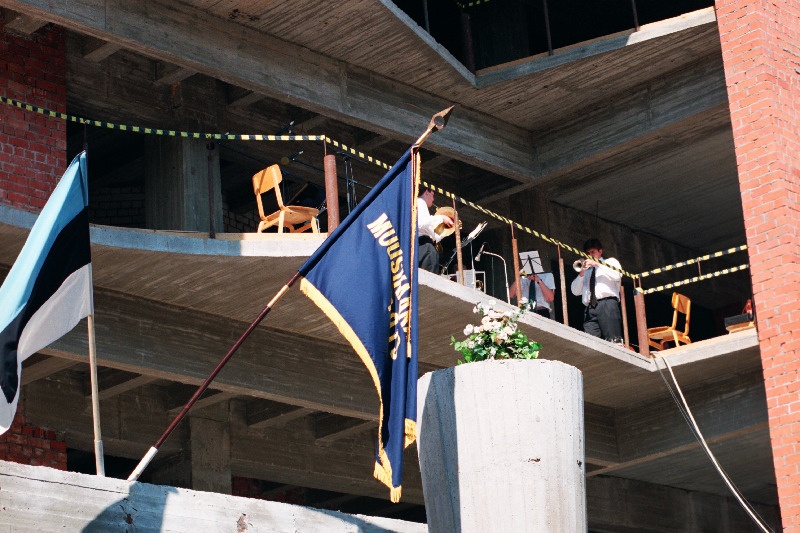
(548, 293)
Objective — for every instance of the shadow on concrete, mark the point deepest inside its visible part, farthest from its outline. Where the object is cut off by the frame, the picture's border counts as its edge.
(141, 510)
(437, 445)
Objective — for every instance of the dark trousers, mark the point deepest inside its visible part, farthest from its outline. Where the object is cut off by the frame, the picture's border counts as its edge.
(605, 320)
(542, 311)
(428, 256)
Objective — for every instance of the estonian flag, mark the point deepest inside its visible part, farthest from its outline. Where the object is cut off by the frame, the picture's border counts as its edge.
(364, 278)
(49, 288)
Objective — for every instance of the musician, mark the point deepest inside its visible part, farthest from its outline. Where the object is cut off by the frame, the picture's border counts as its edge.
(602, 317)
(544, 291)
(426, 234)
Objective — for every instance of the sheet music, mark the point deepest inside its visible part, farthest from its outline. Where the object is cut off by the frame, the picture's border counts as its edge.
(530, 262)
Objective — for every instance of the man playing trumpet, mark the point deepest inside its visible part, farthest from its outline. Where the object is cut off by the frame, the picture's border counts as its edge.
(598, 286)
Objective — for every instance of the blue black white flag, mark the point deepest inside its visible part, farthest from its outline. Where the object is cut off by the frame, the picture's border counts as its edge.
(49, 287)
(364, 278)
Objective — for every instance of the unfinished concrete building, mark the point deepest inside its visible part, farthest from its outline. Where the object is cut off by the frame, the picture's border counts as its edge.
(667, 131)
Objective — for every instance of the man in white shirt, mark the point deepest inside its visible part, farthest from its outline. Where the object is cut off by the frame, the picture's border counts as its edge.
(426, 234)
(598, 286)
(544, 291)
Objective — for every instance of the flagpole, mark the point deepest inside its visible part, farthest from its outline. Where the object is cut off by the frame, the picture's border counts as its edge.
(98, 439)
(200, 390)
(438, 121)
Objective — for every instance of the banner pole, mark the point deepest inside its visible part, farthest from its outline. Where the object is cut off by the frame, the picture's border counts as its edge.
(98, 439)
(202, 388)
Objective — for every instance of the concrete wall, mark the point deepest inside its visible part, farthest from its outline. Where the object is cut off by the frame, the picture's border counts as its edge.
(43, 499)
(761, 53)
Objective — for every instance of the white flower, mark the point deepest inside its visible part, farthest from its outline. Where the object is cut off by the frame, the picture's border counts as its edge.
(469, 329)
(486, 320)
(471, 344)
(478, 340)
(492, 351)
(502, 336)
(476, 309)
(523, 302)
(509, 330)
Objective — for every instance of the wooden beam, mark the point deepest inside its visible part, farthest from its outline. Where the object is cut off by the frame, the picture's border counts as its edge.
(311, 123)
(167, 75)
(375, 142)
(246, 99)
(436, 162)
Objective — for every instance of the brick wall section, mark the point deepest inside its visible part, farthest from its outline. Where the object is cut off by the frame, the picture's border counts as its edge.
(31, 445)
(32, 146)
(761, 53)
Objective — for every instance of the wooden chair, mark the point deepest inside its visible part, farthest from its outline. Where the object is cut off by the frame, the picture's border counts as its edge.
(658, 337)
(287, 216)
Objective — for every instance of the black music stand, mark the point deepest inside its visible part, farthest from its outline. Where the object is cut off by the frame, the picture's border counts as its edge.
(471, 237)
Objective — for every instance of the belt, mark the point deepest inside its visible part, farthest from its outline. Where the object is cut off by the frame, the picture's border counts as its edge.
(425, 240)
(608, 298)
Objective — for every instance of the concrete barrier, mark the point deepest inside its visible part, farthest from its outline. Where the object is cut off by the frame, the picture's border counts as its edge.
(501, 447)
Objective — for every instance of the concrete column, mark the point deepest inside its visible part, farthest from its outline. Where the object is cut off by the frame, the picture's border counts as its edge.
(177, 185)
(501, 447)
(210, 445)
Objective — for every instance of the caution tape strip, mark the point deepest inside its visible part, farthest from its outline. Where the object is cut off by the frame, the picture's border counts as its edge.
(157, 131)
(693, 261)
(360, 155)
(724, 271)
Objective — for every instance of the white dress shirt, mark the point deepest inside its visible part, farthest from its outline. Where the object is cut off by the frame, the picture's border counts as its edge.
(539, 301)
(606, 283)
(426, 222)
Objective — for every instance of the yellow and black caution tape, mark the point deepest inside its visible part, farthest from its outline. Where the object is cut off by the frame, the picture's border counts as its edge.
(157, 131)
(370, 159)
(357, 153)
(693, 261)
(473, 3)
(695, 279)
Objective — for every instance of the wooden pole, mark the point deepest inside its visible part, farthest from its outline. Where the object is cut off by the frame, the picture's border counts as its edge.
(563, 281)
(459, 253)
(98, 439)
(515, 251)
(625, 334)
(331, 191)
(641, 321)
(202, 388)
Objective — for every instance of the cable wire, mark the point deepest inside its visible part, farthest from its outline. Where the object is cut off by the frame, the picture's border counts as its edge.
(687, 414)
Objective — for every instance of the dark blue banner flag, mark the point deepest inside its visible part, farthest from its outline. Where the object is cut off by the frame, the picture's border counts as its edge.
(364, 278)
(49, 288)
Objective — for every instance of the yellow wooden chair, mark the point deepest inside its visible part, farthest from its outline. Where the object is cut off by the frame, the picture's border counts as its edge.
(294, 218)
(659, 336)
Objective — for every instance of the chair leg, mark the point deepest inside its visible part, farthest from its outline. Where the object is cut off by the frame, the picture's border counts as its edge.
(280, 222)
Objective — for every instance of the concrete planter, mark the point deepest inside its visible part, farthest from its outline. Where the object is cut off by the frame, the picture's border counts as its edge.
(501, 447)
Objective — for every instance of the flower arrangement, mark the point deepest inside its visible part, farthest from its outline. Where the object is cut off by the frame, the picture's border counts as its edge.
(496, 337)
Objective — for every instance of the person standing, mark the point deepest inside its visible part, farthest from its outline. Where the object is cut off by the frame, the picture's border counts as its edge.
(426, 234)
(599, 286)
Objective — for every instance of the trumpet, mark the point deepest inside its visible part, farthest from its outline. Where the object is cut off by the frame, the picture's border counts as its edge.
(577, 266)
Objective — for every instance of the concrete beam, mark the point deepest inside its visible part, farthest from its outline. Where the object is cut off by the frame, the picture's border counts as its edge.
(288, 365)
(23, 24)
(45, 368)
(332, 428)
(126, 385)
(206, 401)
(96, 50)
(258, 62)
(262, 414)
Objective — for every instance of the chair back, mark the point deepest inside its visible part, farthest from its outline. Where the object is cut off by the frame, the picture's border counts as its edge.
(682, 305)
(264, 180)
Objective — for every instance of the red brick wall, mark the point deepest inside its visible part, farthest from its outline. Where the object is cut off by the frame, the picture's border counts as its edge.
(31, 445)
(32, 146)
(761, 53)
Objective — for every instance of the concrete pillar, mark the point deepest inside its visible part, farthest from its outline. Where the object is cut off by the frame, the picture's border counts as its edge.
(760, 53)
(501, 447)
(210, 445)
(177, 185)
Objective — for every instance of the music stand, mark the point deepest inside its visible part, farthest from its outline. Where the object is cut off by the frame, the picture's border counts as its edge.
(471, 237)
(530, 262)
